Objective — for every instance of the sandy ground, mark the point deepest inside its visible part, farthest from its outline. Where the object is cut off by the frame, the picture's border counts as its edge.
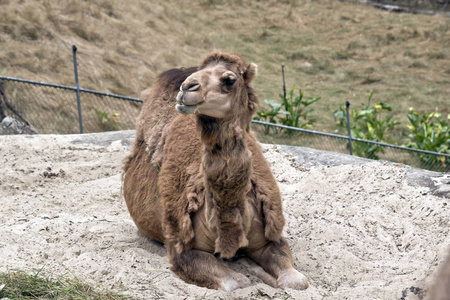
(358, 230)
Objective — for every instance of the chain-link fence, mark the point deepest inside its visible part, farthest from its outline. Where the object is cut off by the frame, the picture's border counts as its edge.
(53, 109)
(346, 144)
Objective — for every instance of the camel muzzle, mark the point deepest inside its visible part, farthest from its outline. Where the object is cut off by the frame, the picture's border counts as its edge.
(182, 106)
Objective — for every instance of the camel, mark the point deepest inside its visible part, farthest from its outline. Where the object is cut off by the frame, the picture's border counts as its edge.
(196, 179)
(441, 287)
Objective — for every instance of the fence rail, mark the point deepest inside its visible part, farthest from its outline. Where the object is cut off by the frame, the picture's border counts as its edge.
(72, 88)
(52, 109)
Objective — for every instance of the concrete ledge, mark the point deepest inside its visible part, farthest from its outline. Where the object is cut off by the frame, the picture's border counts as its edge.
(438, 183)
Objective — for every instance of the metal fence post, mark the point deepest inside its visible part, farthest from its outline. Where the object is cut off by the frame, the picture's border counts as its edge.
(347, 106)
(80, 119)
(2, 92)
(284, 83)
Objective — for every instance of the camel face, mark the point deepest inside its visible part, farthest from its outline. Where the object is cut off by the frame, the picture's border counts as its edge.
(209, 91)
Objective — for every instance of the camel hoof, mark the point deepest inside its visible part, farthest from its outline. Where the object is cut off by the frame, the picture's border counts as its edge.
(293, 279)
(235, 281)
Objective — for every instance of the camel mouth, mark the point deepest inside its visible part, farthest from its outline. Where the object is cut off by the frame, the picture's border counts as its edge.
(187, 104)
(186, 109)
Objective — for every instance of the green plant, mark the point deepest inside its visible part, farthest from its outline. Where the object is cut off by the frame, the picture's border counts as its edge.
(106, 122)
(294, 113)
(367, 123)
(430, 132)
(268, 115)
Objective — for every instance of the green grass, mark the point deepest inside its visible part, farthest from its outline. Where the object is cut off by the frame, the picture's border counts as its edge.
(21, 285)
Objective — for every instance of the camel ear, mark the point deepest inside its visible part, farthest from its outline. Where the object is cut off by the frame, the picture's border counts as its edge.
(250, 74)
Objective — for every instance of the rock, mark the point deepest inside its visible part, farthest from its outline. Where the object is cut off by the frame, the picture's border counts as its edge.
(10, 126)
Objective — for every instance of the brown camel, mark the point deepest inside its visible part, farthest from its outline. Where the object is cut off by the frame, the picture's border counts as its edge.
(441, 287)
(196, 179)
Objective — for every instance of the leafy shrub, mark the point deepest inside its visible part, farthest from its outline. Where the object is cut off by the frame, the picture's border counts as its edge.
(429, 132)
(367, 123)
(268, 115)
(291, 112)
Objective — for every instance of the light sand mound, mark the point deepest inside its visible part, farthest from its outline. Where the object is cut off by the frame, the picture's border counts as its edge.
(358, 230)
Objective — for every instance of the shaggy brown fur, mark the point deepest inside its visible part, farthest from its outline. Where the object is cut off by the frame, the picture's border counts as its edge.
(441, 288)
(198, 181)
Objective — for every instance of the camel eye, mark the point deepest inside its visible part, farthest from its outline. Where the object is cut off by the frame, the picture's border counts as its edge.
(227, 84)
(229, 81)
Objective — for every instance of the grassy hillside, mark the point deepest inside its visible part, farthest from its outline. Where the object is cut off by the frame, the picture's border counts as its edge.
(336, 50)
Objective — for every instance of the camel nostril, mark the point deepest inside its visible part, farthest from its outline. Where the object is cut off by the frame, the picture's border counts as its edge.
(192, 87)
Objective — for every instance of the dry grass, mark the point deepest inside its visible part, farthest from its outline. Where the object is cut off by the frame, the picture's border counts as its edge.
(336, 50)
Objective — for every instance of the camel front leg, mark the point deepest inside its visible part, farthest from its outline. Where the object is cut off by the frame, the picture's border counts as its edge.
(203, 269)
(276, 259)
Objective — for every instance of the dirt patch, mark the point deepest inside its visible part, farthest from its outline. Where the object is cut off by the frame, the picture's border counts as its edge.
(357, 231)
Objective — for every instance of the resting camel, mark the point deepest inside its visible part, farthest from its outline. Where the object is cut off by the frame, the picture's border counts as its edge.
(196, 179)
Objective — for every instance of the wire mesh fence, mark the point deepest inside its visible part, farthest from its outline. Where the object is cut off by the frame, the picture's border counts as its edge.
(281, 134)
(52, 109)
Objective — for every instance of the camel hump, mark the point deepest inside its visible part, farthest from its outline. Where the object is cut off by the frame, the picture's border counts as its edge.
(172, 79)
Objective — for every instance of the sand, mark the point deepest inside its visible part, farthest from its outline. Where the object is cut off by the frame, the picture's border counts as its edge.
(358, 229)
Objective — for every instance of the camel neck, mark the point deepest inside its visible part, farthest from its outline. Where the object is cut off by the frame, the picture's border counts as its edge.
(219, 135)
(226, 160)
(227, 168)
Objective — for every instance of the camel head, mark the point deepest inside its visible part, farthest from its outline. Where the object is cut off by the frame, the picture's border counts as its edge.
(219, 89)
